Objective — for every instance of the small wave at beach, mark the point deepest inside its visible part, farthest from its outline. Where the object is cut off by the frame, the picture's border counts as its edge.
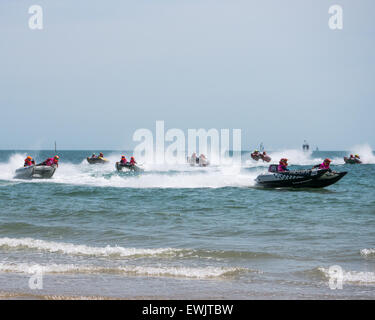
(368, 253)
(74, 249)
(352, 277)
(162, 271)
(122, 252)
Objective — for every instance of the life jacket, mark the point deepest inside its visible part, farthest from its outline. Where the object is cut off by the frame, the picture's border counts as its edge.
(132, 161)
(281, 168)
(50, 161)
(324, 166)
(28, 163)
(124, 161)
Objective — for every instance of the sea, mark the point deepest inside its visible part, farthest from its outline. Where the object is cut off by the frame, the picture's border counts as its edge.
(182, 232)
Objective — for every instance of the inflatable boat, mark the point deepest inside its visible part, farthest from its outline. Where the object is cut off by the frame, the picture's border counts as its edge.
(35, 172)
(311, 178)
(96, 160)
(255, 156)
(128, 166)
(352, 160)
(201, 162)
(258, 156)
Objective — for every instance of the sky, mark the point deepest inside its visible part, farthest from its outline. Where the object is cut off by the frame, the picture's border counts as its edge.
(100, 70)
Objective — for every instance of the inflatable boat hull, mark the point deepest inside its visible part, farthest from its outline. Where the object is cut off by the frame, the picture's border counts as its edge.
(97, 160)
(299, 179)
(35, 172)
(129, 167)
(352, 161)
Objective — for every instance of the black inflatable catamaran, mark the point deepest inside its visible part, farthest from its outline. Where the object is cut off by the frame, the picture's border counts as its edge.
(312, 178)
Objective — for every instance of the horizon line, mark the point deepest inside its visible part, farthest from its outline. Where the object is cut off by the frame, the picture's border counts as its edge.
(325, 150)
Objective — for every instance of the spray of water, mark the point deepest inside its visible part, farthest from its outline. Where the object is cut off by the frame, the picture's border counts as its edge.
(8, 169)
(365, 152)
(295, 157)
(179, 175)
(154, 176)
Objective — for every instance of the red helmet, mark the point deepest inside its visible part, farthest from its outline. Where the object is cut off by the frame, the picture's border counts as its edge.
(284, 160)
(327, 160)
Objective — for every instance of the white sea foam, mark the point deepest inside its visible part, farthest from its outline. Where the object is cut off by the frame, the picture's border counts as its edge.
(169, 176)
(7, 169)
(294, 156)
(155, 176)
(73, 249)
(365, 152)
(353, 277)
(162, 271)
(368, 252)
(298, 157)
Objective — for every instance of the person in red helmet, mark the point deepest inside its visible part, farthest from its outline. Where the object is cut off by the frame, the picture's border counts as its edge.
(123, 160)
(324, 165)
(29, 162)
(282, 167)
(132, 161)
(56, 160)
(51, 161)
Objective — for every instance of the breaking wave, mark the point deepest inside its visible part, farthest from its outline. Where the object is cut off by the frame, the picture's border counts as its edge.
(121, 252)
(352, 277)
(73, 249)
(368, 252)
(167, 271)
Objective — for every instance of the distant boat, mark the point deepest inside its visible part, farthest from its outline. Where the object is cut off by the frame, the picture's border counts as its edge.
(305, 146)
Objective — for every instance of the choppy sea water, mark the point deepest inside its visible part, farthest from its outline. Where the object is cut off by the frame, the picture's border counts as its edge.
(181, 232)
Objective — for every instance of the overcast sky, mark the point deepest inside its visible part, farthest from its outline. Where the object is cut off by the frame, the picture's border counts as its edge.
(99, 70)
